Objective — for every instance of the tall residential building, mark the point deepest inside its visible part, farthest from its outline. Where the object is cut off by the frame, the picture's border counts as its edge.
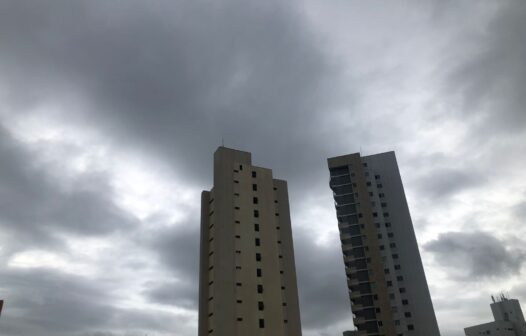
(509, 320)
(387, 285)
(247, 281)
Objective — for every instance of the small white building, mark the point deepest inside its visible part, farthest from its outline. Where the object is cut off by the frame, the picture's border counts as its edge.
(509, 320)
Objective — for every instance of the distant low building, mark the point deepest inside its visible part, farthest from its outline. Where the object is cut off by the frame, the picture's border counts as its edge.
(509, 320)
(351, 333)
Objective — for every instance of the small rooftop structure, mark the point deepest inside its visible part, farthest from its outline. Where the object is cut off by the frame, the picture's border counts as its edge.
(509, 320)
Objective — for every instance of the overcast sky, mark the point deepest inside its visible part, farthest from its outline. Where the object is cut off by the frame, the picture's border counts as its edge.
(110, 112)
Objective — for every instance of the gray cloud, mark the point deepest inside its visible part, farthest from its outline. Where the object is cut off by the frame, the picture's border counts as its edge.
(173, 78)
(475, 255)
(443, 183)
(35, 205)
(491, 85)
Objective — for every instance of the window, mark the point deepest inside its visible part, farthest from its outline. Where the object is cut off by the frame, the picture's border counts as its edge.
(375, 214)
(368, 184)
(258, 272)
(238, 252)
(279, 241)
(410, 327)
(376, 177)
(236, 181)
(238, 236)
(379, 235)
(255, 200)
(258, 256)
(365, 164)
(237, 208)
(386, 214)
(254, 174)
(399, 278)
(384, 204)
(392, 245)
(240, 167)
(238, 222)
(402, 290)
(398, 267)
(239, 301)
(379, 186)
(371, 194)
(405, 302)
(407, 314)
(390, 234)
(284, 304)
(261, 306)
(389, 283)
(382, 247)
(395, 256)
(256, 227)
(260, 289)
(255, 187)
(256, 213)
(261, 323)
(387, 224)
(381, 195)
(239, 319)
(277, 214)
(258, 242)
(386, 270)
(238, 284)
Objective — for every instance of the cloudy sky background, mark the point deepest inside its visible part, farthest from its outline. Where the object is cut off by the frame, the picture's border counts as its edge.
(110, 112)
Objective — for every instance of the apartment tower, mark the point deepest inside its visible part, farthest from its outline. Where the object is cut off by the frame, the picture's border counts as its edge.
(247, 281)
(387, 285)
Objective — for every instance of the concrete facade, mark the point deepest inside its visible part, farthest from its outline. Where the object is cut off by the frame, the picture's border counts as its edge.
(385, 276)
(247, 271)
(509, 320)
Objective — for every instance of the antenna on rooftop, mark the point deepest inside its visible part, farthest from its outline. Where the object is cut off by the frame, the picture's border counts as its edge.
(222, 142)
(493, 299)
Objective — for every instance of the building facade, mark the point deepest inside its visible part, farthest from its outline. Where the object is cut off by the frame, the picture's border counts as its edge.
(509, 320)
(385, 276)
(247, 271)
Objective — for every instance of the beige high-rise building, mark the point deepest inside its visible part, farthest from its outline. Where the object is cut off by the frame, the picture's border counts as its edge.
(387, 285)
(247, 273)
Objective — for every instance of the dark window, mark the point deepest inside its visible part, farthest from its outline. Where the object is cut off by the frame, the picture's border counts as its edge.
(261, 323)
(275, 188)
(254, 174)
(410, 327)
(256, 227)
(368, 184)
(387, 224)
(379, 186)
(389, 283)
(258, 256)
(238, 251)
(258, 242)
(371, 194)
(398, 267)
(238, 236)
(365, 164)
(382, 247)
(381, 195)
(407, 314)
(255, 200)
(386, 270)
(239, 319)
(284, 304)
(260, 288)
(239, 301)
(390, 234)
(384, 205)
(261, 306)
(237, 208)
(236, 181)
(255, 187)
(379, 235)
(402, 290)
(393, 245)
(375, 214)
(395, 256)
(279, 241)
(405, 302)
(256, 213)
(238, 284)
(376, 177)
(258, 272)
(386, 214)
(400, 278)
(240, 167)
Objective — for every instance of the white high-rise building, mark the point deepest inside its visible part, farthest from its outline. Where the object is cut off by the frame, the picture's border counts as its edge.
(387, 285)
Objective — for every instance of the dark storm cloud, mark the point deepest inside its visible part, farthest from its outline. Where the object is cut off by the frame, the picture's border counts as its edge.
(442, 183)
(491, 84)
(47, 303)
(176, 77)
(324, 299)
(35, 205)
(178, 250)
(476, 255)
